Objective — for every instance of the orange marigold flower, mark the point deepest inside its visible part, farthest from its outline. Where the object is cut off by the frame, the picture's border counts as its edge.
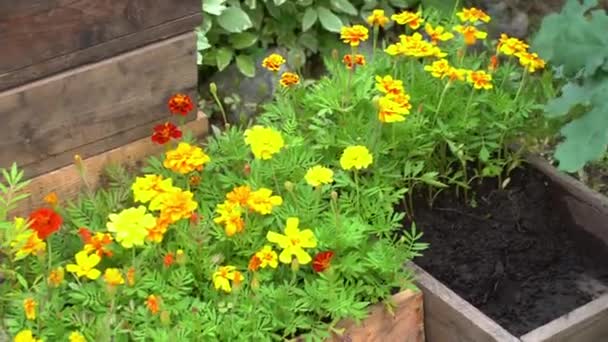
(29, 306)
(56, 277)
(85, 234)
(273, 62)
(530, 61)
(289, 79)
(239, 195)
(165, 132)
(322, 261)
(175, 205)
(354, 35)
(153, 304)
(480, 79)
(98, 244)
(510, 46)
(470, 33)
(494, 62)
(157, 233)
(413, 20)
(169, 259)
(131, 276)
(45, 221)
(377, 18)
(352, 60)
(180, 104)
(254, 263)
(473, 15)
(51, 199)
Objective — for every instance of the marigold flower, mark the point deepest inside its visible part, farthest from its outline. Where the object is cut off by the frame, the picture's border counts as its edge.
(494, 62)
(85, 265)
(45, 221)
(223, 276)
(470, 33)
(76, 336)
(377, 18)
(393, 107)
(264, 141)
(239, 195)
(414, 46)
(157, 233)
(29, 307)
(169, 259)
(230, 217)
(164, 132)
(26, 336)
(51, 199)
(438, 68)
(113, 277)
(273, 62)
(510, 46)
(194, 180)
(322, 261)
(480, 79)
(85, 234)
(175, 206)
(437, 33)
(293, 242)
(289, 79)
(98, 244)
(356, 157)
(473, 15)
(153, 304)
(185, 158)
(413, 20)
(352, 60)
(131, 276)
(149, 187)
(354, 35)
(456, 74)
(319, 175)
(180, 104)
(28, 243)
(267, 257)
(56, 277)
(254, 263)
(131, 226)
(262, 201)
(388, 85)
(530, 61)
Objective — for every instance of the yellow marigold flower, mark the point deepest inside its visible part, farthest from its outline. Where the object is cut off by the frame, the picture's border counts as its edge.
(413, 20)
(185, 158)
(273, 62)
(76, 336)
(470, 34)
(480, 79)
(530, 61)
(264, 141)
(473, 15)
(388, 85)
(289, 79)
(52, 199)
(354, 35)
(356, 157)
(262, 201)
(319, 175)
(175, 206)
(85, 265)
(414, 46)
(29, 307)
(223, 276)
(455, 74)
(231, 217)
(157, 233)
(28, 243)
(239, 195)
(377, 18)
(149, 187)
(267, 257)
(510, 46)
(393, 107)
(113, 277)
(131, 226)
(293, 242)
(56, 277)
(438, 68)
(26, 336)
(438, 33)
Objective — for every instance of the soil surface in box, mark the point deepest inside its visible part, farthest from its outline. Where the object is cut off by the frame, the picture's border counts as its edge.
(512, 255)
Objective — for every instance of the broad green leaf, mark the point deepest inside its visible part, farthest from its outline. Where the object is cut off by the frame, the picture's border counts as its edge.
(484, 154)
(309, 19)
(201, 41)
(242, 40)
(572, 95)
(344, 6)
(234, 20)
(402, 3)
(214, 7)
(309, 41)
(223, 58)
(199, 58)
(279, 2)
(246, 65)
(329, 20)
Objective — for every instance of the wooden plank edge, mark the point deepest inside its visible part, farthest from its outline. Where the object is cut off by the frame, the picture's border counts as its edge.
(448, 317)
(590, 319)
(66, 182)
(50, 67)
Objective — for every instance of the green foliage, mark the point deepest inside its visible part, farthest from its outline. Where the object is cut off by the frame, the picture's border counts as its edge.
(575, 42)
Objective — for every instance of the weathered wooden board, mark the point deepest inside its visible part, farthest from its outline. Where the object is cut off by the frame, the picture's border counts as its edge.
(67, 183)
(41, 37)
(94, 108)
(589, 323)
(448, 317)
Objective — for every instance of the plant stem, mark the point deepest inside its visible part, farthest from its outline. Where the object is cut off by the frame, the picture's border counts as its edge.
(356, 176)
(219, 103)
(411, 75)
(441, 97)
(50, 255)
(466, 108)
(521, 84)
(375, 41)
(274, 176)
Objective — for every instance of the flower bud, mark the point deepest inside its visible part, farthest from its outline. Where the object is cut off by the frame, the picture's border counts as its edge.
(295, 265)
(165, 318)
(180, 257)
(288, 186)
(335, 54)
(334, 196)
(247, 169)
(213, 88)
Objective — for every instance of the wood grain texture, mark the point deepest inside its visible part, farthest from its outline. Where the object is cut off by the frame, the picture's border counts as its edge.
(96, 107)
(589, 323)
(67, 183)
(449, 318)
(33, 31)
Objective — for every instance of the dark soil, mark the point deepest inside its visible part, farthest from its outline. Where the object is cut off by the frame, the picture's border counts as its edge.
(512, 256)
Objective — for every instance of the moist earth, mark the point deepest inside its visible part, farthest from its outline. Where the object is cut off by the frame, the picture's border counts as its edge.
(513, 255)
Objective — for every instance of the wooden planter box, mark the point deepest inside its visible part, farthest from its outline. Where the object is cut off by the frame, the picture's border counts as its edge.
(87, 76)
(448, 317)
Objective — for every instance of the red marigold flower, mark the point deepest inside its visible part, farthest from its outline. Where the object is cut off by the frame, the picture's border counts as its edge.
(195, 218)
(165, 132)
(169, 259)
(322, 261)
(254, 263)
(153, 304)
(494, 62)
(45, 221)
(85, 235)
(180, 104)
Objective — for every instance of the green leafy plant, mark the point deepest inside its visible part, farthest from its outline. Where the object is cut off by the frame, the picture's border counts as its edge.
(575, 42)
